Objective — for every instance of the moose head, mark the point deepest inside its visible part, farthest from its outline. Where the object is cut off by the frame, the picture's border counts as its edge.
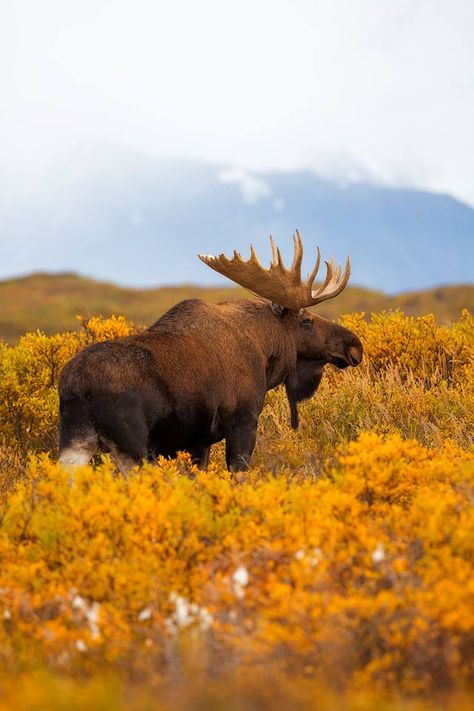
(317, 340)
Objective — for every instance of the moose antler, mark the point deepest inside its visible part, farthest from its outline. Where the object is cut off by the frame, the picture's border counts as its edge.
(280, 285)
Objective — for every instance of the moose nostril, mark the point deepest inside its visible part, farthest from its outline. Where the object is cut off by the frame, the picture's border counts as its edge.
(355, 355)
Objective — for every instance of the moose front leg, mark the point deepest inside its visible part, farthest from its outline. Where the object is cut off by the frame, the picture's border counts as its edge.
(240, 442)
(200, 455)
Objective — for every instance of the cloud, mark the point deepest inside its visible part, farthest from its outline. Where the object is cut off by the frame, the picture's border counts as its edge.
(369, 89)
(252, 188)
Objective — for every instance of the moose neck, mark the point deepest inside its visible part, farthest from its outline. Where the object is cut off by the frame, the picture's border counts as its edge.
(271, 335)
(281, 349)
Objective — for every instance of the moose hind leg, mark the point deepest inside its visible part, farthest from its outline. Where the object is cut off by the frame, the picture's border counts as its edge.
(124, 430)
(78, 438)
(80, 451)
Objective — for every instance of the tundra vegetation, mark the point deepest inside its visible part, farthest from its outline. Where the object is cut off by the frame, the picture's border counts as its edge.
(50, 302)
(336, 573)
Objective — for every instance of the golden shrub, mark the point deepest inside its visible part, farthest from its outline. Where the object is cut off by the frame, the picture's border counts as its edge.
(337, 572)
(417, 379)
(363, 579)
(29, 374)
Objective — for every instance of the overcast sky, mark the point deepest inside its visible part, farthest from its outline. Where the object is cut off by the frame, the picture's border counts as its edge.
(354, 89)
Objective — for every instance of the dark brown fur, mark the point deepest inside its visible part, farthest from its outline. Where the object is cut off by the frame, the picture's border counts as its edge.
(198, 375)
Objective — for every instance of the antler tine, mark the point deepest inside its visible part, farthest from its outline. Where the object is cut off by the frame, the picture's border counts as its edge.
(253, 256)
(277, 262)
(345, 277)
(335, 282)
(278, 284)
(297, 255)
(312, 276)
(328, 279)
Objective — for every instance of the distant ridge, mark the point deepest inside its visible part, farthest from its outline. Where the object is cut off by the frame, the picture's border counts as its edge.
(138, 220)
(50, 302)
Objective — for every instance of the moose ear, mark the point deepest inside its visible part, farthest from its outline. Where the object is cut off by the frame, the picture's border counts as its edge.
(278, 310)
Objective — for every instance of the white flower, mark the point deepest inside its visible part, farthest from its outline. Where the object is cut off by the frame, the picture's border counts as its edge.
(241, 576)
(186, 613)
(240, 579)
(206, 619)
(316, 557)
(92, 615)
(183, 615)
(378, 554)
(144, 614)
(170, 625)
(90, 611)
(79, 603)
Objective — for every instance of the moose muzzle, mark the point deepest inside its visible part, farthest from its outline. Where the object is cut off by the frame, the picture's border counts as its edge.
(354, 355)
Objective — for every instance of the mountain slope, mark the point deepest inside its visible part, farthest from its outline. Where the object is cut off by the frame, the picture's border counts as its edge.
(140, 221)
(51, 302)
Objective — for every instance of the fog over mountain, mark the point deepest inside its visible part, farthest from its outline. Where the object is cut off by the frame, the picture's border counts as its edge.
(135, 220)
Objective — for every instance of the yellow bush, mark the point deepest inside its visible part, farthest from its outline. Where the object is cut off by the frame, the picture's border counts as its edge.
(362, 580)
(417, 379)
(338, 572)
(29, 374)
(416, 346)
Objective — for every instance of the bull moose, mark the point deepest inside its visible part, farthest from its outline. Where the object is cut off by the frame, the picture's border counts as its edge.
(200, 373)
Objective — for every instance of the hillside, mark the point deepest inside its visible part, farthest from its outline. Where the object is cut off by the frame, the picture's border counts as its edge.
(50, 302)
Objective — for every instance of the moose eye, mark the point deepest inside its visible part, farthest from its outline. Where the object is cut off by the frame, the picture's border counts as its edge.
(306, 323)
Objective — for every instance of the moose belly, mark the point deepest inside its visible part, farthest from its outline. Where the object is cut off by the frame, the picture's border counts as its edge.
(183, 431)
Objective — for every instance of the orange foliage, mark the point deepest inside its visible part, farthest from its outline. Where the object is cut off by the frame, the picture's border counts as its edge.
(338, 570)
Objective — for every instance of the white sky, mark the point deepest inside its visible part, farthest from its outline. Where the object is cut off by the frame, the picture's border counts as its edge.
(373, 89)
